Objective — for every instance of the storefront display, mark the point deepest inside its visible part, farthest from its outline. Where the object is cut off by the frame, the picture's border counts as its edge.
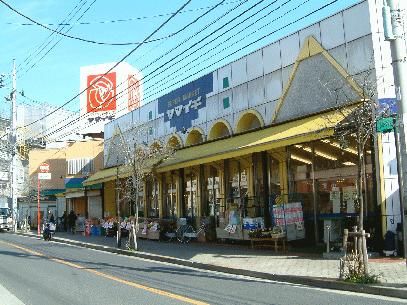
(289, 216)
(149, 229)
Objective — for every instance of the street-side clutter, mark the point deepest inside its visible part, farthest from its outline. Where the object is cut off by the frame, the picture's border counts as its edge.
(167, 229)
(148, 228)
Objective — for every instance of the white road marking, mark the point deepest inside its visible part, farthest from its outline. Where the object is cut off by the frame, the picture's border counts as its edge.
(7, 298)
(342, 292)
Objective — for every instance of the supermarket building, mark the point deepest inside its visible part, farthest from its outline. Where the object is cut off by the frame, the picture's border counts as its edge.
(262, 130)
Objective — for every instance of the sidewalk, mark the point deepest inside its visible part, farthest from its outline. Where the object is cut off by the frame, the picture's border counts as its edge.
(292, 267)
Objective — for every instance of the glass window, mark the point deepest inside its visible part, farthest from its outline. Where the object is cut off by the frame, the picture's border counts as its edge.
(238, 186)
(300, 180)
(190, 194)
(170, 197)
(152, 198)
(213, 191)
(335, 170)
(256, 204)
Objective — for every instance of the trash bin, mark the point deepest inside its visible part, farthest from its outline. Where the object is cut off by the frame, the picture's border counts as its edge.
(390, 244)
(400, 242)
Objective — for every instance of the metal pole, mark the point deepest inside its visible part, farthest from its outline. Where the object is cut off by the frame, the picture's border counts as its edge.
(13, 147)
(314, 197)
(118, 235)
(399, 171)
(38, 207)
(395, 35)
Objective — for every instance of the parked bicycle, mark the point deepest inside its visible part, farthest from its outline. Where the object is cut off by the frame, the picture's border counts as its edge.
(186, 232)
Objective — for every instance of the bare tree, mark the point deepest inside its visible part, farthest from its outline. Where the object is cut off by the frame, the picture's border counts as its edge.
(138, 163)
(359, 127)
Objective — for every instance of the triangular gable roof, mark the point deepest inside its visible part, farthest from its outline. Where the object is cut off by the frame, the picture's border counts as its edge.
(317, 82)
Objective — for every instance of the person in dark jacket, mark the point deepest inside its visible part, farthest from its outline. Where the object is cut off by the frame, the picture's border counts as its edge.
(64, 220)
(71, 222)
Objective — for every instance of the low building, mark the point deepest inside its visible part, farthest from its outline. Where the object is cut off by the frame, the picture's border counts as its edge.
(70, 165)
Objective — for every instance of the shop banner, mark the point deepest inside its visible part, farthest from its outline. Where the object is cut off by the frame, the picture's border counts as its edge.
(180, 107)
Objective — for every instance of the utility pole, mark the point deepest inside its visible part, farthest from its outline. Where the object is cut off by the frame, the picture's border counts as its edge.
(393, 23)
(13, 123)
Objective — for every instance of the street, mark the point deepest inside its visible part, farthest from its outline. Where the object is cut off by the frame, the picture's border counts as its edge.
(36, 272)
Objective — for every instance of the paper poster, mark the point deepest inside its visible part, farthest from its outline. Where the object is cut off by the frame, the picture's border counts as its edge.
(350, 206)
(349, 196)
(335, 195)
(336, 206)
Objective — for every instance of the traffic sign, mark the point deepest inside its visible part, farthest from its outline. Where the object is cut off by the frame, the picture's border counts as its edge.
(44, 176)
(44, 168)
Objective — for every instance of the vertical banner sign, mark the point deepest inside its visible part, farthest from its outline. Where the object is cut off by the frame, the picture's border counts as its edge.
(101, 93)
(180, 107)
(134, 92)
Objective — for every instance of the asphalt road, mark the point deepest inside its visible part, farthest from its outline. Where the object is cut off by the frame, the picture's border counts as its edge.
(36, 272)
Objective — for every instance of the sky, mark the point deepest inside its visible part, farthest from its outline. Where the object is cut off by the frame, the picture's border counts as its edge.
(213, 33)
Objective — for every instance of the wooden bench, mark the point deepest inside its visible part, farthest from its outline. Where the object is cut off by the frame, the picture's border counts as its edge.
(266, 241)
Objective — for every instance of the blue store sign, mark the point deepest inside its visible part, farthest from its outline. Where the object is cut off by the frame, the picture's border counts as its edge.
(181, 106)
(389, 105)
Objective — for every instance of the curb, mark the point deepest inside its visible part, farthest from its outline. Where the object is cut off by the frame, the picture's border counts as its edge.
(302, 280)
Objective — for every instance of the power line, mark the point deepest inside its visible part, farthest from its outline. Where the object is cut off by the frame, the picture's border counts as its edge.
(60, 39)
(226, 40)
(246, 46)
(83, 39)
(193, 35)
(119, 93)
(63, 34)
(44, 44)
(253, 42)
(166, 37)
(200, 41)
(219, 36)
(212, 8)
(118, 20)
(115, 65)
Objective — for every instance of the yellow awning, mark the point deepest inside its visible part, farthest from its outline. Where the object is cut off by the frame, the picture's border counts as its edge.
(107, 174)
(303, 130)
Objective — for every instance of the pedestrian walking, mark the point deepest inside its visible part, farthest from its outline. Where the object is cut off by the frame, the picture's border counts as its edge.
(71, 222)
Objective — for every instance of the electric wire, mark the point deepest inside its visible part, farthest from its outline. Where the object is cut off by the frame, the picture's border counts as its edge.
(251, 43)
(47, 40)
(93, 110)
(45, 43)
(198, 60)
(214, 39)
(151, 76)
(118, 20)
(123, 59)
(115, 65)
(248, 45)
(257, 30)
(162, 65)
(57, 42)
(88, 40)
(158, 39)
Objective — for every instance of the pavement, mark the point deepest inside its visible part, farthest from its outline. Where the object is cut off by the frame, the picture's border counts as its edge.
(292, 266)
